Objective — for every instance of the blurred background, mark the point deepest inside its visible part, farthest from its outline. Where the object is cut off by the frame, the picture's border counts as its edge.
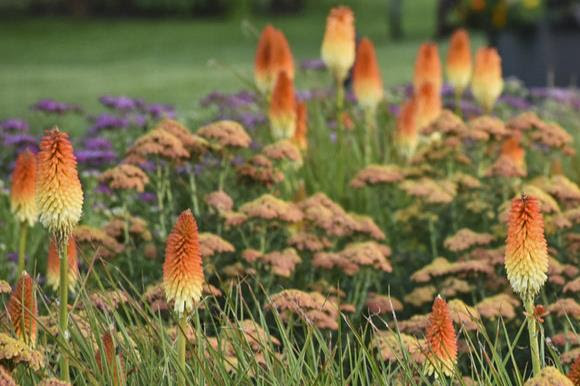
(177, 51)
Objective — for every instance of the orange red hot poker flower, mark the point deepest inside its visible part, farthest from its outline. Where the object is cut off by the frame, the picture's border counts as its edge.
(338, 46)
(273, 56)
(407, 133)
(22, 309)
(282, 111)
(59, 195)
(487, 82)
(300, 138)
(367, 81)
(23, 191)
(459, 60)
(427, 67)
(53, 265)
(526, 254)
(182, 271)
(429, 105)
(441, 340)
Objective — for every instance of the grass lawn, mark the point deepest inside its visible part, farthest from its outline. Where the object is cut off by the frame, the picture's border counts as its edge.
(167, 60)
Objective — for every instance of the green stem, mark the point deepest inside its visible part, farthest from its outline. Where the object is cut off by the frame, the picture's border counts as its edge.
(533, 333)
(22, 247)
(339, 94)
(181, 340)
(433, 238)
(63, 309)
(160, 199)
(193, 188)
(458, 110)
(370, 136)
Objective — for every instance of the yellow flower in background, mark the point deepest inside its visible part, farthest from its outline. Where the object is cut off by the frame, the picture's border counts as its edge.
(531, 4)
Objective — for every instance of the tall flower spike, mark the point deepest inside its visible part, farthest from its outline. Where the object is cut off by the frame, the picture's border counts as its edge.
(182, 271)
(23, 191)
(459, 65)
(59, 194)
(23, 310)
(441, 340)
(367, 81)
(53, 265)
(338, 46)
(428, 104)
(301, 133)
(263, 63)
(407, 133)
(282, 112)
(526, 254)
(487, 82)
(282, 60)
(427, 68)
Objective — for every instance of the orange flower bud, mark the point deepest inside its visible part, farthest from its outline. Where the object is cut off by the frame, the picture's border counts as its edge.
(301, 132)
(59, 195)
(427, 68)
(110, 355)
(282, 111)
(459, 61)
(487, 82)
(429, 105)
(338, 46)
(526, 254)
(23, 192)
(367, 81)
(512, 152)
(273, 56)
(441, 340)
(22, 309)
(182, 271)
(407, 133)
(53, 265)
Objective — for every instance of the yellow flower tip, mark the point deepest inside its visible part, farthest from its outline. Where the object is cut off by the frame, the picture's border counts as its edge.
(301, 133)
(182, 271)
(367, 81)
(441, 340)
(407, 133)
(23, 191)
(459, 65)
(59, 195)
(487, 82)
(338, 46)
(22, 309)
(526, 255)
(53, 265)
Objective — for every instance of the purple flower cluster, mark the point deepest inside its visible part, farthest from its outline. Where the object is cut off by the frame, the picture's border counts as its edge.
(51, 106)
(241, 107)
(96, 152)
(14, 125)
(313, 64)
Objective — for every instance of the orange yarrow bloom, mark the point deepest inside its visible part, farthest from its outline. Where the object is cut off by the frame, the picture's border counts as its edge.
(300, 138)
(429, 105)
(22, 309)
(526, 254)
(441, 340)
(407, 133)
(59, 195)
(23, 191)
(53, 265)
(427, 68)
(273, 56)
(338, 46)
(182, 271)
(282, 111)
(367, 81)
(487, 82)
(459, 65)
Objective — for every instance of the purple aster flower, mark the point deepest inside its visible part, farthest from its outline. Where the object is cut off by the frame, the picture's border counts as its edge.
(138, 120)
(98, 143)
(55, 107)
(516, 102)
(13, 257)
(104, 189)
(108, 121)
(147, 197)
(14, 125)
(158, 110)
(123, 103)
(313, 64)
(251, 120)
(447, 90)
(394, 109)
(198, 169)
(148, 166)
(20, 140)
(95, 157)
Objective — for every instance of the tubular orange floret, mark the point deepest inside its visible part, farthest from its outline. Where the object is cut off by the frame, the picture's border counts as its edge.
(407, 133)
(427, 67)
(459, 60)
(526, 254)
(487, 82)
(282, 60)
(428, 104)
(282, 111)
(574, 373)
(53, 265)
(182, 271)
(263, 63)
(110, 355)
(23, 191)
(22, 309)
(512, 151)
(338, 46)
(367, 81)
(441, 340)
(301, 133)
(59, 195)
